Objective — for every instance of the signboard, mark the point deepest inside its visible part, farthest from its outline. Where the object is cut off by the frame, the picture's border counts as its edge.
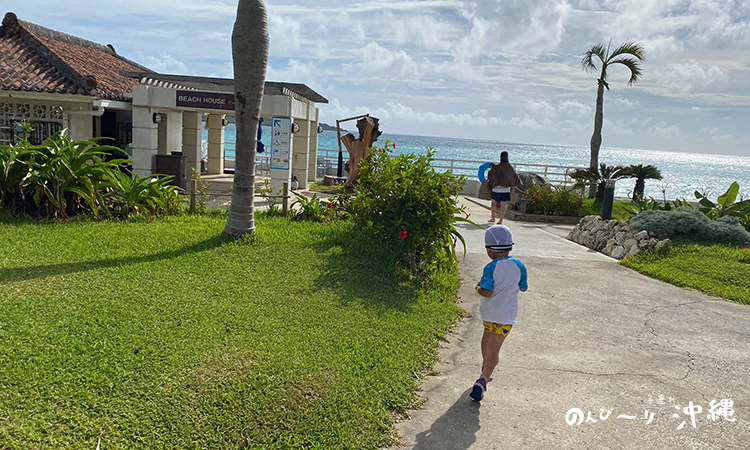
(281, 142)
(205, 100)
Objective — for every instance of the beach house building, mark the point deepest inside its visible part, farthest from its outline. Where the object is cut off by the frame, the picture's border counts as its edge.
(54, 81)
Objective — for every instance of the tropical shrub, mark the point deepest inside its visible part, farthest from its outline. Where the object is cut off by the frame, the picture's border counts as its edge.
(552, 201)
(56, 179)
(126, 196)
(409, 205)
(726, 205)
(692, 225)
(312, 208)
(61, 178)
(638, 206)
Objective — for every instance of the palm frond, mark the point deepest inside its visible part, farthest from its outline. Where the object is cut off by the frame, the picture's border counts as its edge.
(614, 172)
(629, 48)
(646, 172)
(587, 60)
(634, 65)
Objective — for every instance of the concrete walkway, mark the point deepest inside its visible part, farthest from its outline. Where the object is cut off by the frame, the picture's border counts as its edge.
(591, 335)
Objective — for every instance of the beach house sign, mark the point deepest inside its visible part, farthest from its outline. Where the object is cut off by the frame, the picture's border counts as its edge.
(205, 100)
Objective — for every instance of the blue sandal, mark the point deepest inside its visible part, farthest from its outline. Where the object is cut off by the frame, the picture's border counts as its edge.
(477, 392)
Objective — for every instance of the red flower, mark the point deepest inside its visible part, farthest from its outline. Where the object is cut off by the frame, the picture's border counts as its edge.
(535, 196)
(380, 149)
(394, 146)
(468, 215)
(330, 206)
(402, 235)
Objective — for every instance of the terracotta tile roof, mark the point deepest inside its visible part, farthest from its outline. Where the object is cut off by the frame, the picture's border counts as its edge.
(34, 58)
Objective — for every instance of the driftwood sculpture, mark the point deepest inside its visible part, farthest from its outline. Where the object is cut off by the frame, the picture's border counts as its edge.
(358, 147)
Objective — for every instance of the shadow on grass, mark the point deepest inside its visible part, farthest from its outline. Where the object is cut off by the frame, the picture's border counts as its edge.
(364, 271)
(30, 273)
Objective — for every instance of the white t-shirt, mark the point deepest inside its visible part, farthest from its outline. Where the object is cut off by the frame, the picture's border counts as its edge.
(505, 277)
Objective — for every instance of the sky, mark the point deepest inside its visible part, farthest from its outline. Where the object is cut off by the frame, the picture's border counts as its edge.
(504, 70)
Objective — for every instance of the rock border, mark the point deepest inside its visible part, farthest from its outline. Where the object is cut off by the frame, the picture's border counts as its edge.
(614, 237)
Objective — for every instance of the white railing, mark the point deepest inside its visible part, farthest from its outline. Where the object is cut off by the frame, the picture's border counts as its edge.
(327, 164)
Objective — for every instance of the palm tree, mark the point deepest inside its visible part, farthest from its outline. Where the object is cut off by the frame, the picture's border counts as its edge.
(605, 173)
(250, 44)
(642, 173)
(630, 55)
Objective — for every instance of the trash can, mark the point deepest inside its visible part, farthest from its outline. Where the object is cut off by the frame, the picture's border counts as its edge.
(173, 164)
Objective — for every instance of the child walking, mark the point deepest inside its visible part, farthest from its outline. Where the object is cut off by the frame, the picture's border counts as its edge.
(501, 281)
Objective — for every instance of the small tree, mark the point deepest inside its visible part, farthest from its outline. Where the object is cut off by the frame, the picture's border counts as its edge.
(642, 173)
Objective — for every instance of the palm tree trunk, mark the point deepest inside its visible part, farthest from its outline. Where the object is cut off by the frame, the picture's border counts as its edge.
(250, 44)
(640, 184)
(596, 138)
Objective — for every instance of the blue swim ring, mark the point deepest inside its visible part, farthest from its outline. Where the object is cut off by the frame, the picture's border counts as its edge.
(482, 170)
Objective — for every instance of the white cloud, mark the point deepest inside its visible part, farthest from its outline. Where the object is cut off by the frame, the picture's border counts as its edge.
(285, 32)
(710, 130)
(525, 122)
(690, 76)
(577, 110)
(378, 60)
(165, 63)
(623, 103)
(663, 129)
(295, 72)
(513, 28)
(542, 108)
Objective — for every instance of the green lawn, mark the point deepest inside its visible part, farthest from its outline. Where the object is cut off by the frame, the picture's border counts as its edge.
(167, 335)
(320, 187)
(717, 270)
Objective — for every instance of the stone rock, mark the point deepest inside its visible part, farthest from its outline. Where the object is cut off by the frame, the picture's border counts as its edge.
(620, 237)
(629, 243)
(600, 243)
(618, 252)
(588, 224)
(634, 250)
(663, 245)
(641, 235)
(611, 244)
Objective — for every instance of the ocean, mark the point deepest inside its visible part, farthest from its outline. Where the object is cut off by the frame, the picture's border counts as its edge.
(682, 173)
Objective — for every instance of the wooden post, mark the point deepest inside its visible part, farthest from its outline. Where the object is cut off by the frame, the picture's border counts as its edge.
(194, 191)
(285, 199)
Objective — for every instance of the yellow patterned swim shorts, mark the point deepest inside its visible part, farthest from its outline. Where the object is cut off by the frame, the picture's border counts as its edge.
(501, 329)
